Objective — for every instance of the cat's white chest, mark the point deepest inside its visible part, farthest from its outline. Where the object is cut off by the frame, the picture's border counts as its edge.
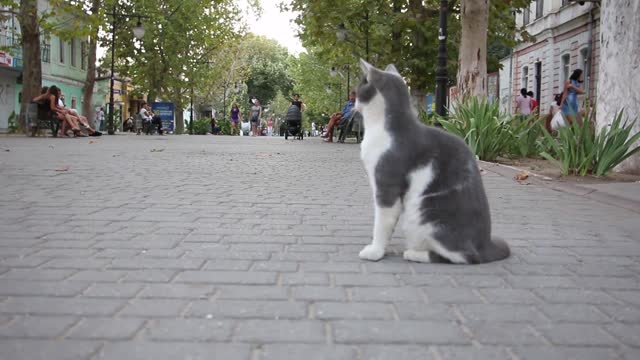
(376, 142)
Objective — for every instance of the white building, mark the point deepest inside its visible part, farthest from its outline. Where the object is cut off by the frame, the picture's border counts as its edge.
(567, 37)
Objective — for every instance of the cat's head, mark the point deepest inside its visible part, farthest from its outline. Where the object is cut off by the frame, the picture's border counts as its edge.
(377, 85)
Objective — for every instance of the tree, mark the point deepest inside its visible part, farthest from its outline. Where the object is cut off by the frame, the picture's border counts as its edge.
(402, 32)
(180, 40)
(618, 74)
(472, 63)
(31, 64)
(268, 68)
(90, 82)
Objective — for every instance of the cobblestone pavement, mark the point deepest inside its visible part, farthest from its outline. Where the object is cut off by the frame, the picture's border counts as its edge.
(178, 247)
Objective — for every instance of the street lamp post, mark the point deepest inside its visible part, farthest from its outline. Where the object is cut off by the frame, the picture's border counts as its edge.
(441, 70)
(342, 34)
(138, 32)
(335, 72)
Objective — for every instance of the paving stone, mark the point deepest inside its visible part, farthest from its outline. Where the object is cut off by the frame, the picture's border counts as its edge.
(271, 309)
(36, 327)
(359, 311)
(307, 352)
(106, 329)
(227, 277)
(60, 306)
(396, 352)
(37, 288)
(501, 313)
(629, 334)
(563, 353)
(252, 292)
(489, 333)
(397, 332)
(147, 350)
(576, 313)
(46, 349)
(110, 290)
(210, 330)
(154, 308)
(577, 334)
(280, 331)
(177, 291)
(37, 274)
(318, 293)
(473, 353)
(423, 311)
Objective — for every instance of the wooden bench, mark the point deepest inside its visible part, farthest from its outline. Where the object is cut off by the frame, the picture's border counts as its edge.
(353, 124)
(38, 119)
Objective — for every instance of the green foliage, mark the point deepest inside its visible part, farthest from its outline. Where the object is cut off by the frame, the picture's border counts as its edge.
(268, 68)
(528, 137)
(201, 126)
(225, 127)
(579, 150)
(399, 32)
(485, 130)
(13, 125)
(321, 93)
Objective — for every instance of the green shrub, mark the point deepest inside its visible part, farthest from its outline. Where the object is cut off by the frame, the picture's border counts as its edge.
(487, 132)
(13, 125)
(201, 126)
(528, 137)
(579, 150)
(225, 127)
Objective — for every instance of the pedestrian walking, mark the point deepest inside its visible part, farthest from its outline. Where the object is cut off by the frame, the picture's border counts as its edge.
(572, 88)
(99, 118)
(523, 103)
(256, 113)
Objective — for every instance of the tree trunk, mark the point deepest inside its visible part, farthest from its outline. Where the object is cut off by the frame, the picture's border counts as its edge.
(31, 56)
(87, 105)
(618, 75)
(179, 113)
(396, 35)
(472, 60)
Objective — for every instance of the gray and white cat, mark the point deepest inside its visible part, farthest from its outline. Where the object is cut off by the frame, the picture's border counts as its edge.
(428, 175)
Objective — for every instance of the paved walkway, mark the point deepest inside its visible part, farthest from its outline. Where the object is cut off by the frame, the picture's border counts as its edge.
(178, 247)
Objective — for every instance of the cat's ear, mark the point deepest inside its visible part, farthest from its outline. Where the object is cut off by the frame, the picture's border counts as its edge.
(392, 69)
(365, 67)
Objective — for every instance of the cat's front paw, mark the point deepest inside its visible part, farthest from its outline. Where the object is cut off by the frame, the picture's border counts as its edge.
(372, 253)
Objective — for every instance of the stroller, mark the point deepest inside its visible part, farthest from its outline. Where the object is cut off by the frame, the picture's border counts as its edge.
(294, 123)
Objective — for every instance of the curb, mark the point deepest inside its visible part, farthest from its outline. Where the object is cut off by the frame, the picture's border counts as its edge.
(592, 194)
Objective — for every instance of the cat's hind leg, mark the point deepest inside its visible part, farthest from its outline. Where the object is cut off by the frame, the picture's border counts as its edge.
(385, 221)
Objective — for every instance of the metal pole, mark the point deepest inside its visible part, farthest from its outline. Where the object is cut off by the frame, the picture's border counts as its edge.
(441, 70)
(224, 102)
(191, 115)
(110, 129)
(348, 80)
(367, 35)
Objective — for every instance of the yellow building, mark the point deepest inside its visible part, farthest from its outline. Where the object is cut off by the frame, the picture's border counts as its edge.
(125, 103)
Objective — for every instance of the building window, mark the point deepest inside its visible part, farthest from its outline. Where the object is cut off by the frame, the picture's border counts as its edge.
(525, 77)
(45, 49)
(539, 8)
(83, 55)
(584, 62)
(73, 102)
(61, 42)
(526, 15)
(565, 67)
(72, 45)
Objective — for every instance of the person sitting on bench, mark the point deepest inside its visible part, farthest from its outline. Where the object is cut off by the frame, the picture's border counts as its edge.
(48, 99)
(336, 117)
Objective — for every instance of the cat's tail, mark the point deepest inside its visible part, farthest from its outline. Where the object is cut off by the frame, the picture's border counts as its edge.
(496, 249)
